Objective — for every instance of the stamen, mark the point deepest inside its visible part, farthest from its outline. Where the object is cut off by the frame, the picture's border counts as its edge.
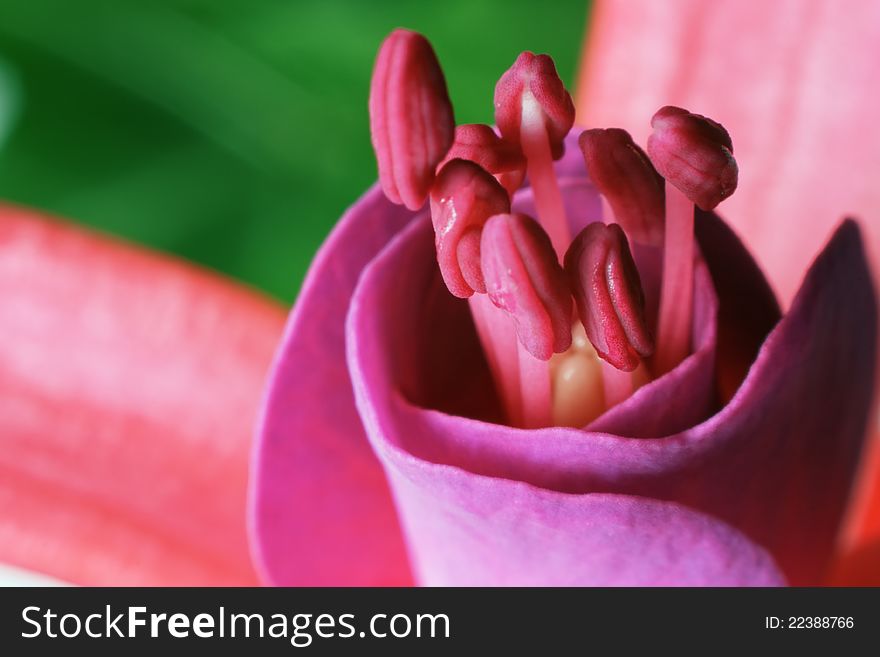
(534, 110)
(523, 382)
(523, 277)
(411, 120)
(479, 143)
(534, 76)
(695, 155)
(625, 177)
(463, 197)
(469, 259)
(609, 296)
(677, 287)
(536, 389)
(498, 336)
(620, 385)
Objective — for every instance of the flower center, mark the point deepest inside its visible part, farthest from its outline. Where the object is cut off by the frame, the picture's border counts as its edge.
(561, 321)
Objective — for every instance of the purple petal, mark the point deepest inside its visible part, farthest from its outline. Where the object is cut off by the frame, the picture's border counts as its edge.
(321, 513)
(469, 530)
(764, 464)
(748, 308)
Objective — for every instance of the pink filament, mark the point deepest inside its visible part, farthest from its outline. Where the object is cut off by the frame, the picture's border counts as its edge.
(676, 297)
(535, 389)
(497, 334)
(542, 177)
(617, 383)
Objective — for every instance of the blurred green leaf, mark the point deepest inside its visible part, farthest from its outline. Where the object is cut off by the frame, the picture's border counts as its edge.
(10, 100)
(232, 133)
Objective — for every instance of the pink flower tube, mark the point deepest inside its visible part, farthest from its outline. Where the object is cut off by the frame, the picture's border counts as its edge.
(382, 457)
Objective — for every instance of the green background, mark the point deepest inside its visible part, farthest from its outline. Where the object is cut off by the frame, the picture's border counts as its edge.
(233, 134)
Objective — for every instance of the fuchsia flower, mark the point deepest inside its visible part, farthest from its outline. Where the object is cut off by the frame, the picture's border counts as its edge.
(674, 429)
(411, 436)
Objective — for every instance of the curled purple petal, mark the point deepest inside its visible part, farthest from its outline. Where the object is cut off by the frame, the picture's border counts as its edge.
(320, 510)
(732, 465)
(763, 464)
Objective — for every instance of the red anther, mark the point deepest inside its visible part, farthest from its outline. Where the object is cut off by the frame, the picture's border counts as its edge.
(531, 90)
(609, 297)
(695, 154)
(624, 175)
(469, 259)
(523, 277)
(479, 143)
(463, 197)
(411, 120)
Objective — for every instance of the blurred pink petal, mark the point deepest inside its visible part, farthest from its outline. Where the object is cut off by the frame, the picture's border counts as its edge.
(128, 388)
(858, 560)
(795, 83)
